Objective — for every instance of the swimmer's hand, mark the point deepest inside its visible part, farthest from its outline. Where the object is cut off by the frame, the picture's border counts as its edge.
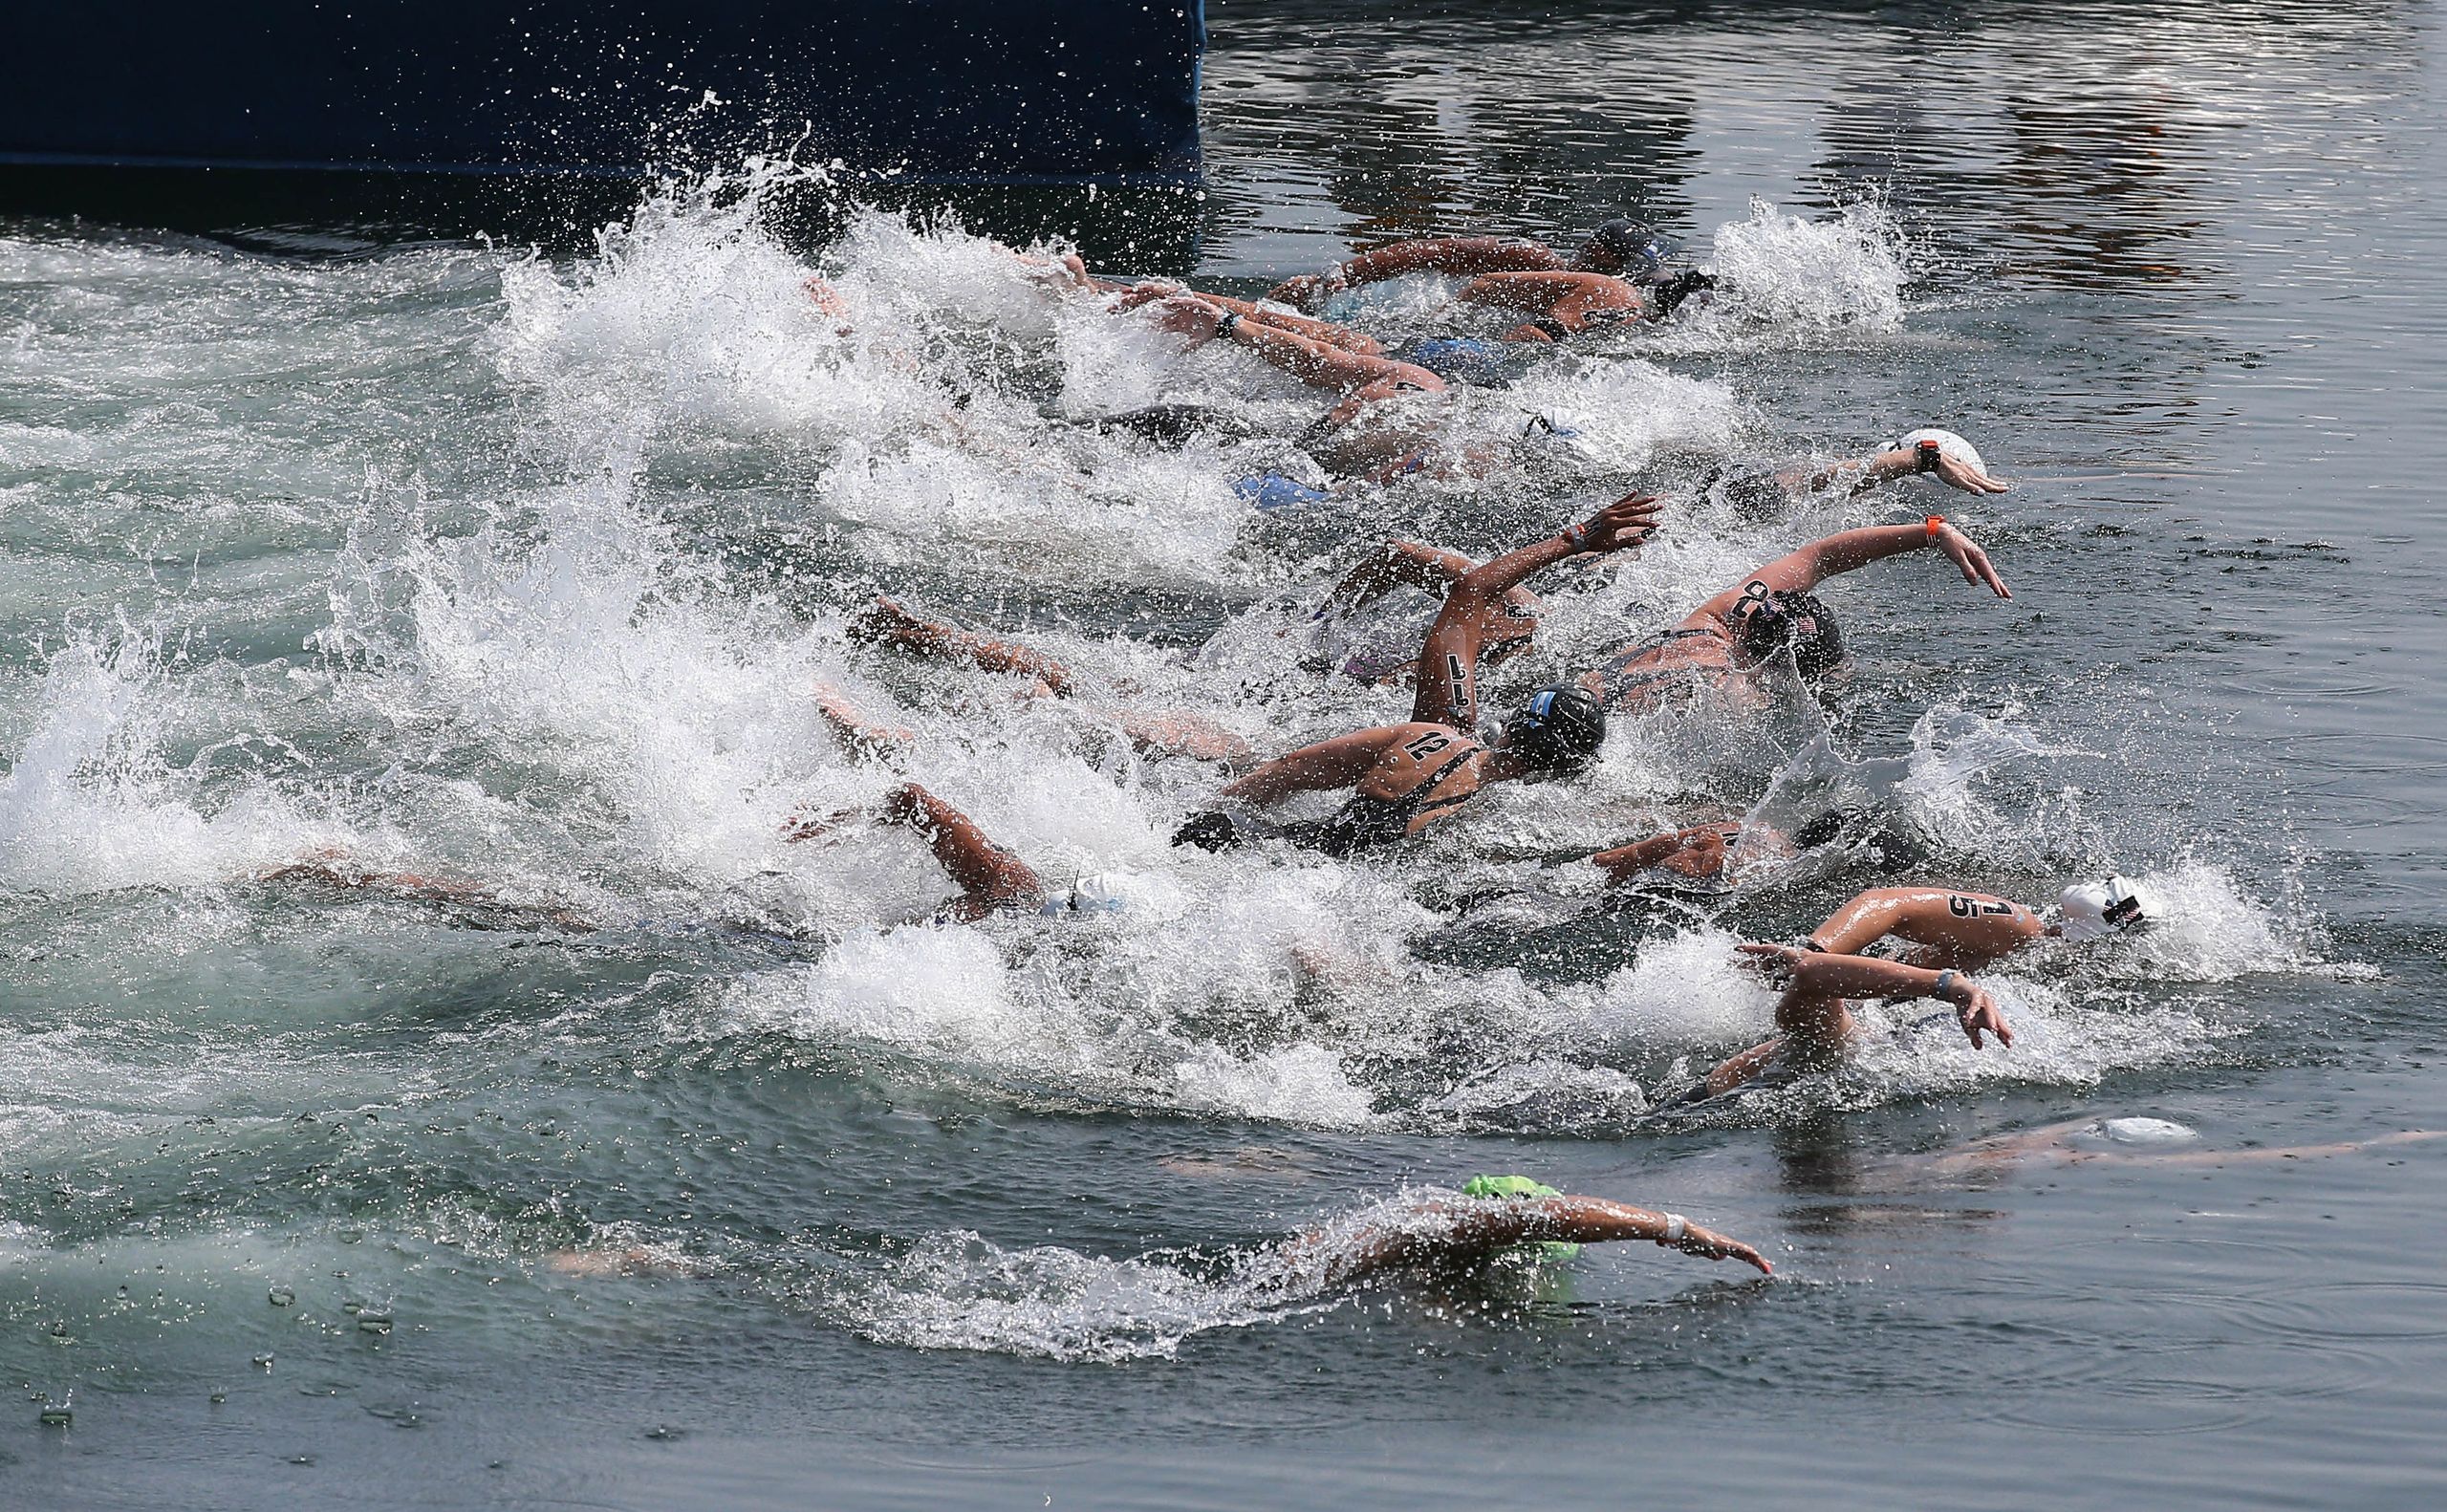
(1775, 962)
(1709, 1245)
(1978, 1011)
(821, 293)
(1306, 291)
(1626, 522)
(800, 826)
(1147, 290)
(1972, 561)
(1966, 476)
(1187, 315)
(1703, 853)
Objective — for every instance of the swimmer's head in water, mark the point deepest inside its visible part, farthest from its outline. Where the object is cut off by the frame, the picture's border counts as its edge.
(1274, 491)
(2137, 1130)
(1626, 250)
(1506, 1186)
(1953, 447)
(1766, 623)
(1521, 1186)
(2096, 910)
(1558, 729)
(1096, 893)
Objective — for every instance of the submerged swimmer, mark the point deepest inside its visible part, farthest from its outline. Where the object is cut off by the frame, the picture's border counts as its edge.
(1410, 775)
(481, 905)
(886, 623)
(1619, 275)
(1487, 1217)
(2137, 1141)
(1950, 933)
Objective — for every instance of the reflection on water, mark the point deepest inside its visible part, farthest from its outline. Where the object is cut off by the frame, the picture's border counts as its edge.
(2089, 143)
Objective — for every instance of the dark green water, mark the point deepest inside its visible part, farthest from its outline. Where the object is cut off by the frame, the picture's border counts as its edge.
(520, 571)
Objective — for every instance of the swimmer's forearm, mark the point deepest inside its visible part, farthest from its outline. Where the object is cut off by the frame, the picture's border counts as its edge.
(1462, 256)
(1335, 762)
(1830, 556)
(1401, 562)
(1331, 334)
(1595, 1221)
(1837, 976)
(1494, 579)
(1308, 360)
(1867, 472)
(1626, 861)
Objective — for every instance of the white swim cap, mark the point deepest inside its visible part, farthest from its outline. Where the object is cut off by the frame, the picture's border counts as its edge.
(1948, 443)
(2094, 910)
(2141, 1131)
(1096, 893)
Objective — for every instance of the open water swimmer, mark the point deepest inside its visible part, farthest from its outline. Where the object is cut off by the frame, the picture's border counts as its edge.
(1204, 756)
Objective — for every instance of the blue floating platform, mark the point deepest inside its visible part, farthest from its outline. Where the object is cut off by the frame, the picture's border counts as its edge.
(119, 100)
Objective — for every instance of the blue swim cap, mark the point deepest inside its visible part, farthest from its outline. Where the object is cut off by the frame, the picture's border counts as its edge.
(1461, 360)
(1273, 490)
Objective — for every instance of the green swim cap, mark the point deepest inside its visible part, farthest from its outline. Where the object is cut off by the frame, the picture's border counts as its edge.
(1521, 1186)
(1506, 1186)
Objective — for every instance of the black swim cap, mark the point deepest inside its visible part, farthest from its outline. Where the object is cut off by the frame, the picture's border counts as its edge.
(1561, 727)
(1626, 250)
(1765, 622)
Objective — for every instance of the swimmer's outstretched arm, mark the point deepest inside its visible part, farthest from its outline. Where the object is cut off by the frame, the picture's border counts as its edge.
(1426, 568)
(1885, 466)
(1798, 572)
(336, 869)
(887, 623)
(1810, 974)
(859, 738)
(1326, 763)
(1472, 1230)
(1448, 660)
(1963, 930)
(1314, 362)
(1458, 256)
(1325, 331)
(1700, 850)
(988, 875)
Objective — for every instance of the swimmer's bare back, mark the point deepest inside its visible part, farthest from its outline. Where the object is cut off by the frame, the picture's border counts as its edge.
(1404, 777)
